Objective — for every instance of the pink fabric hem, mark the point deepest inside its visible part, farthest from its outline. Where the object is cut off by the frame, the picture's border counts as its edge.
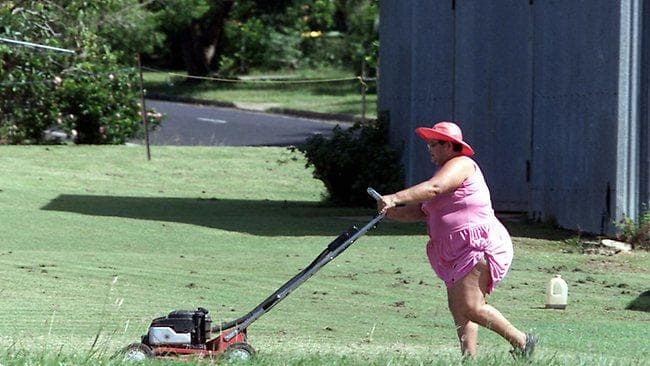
(454, 255)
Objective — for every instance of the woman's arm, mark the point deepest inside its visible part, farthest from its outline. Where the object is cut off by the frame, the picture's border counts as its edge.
(449, 177)
(410, 213)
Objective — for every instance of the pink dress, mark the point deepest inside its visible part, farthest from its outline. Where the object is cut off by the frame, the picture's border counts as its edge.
(463, 230)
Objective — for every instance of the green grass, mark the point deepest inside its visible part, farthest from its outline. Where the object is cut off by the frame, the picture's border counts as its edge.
(257, 92)
(97, 241)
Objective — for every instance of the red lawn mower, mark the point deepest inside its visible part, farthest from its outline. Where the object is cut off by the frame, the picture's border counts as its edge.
(190, 333)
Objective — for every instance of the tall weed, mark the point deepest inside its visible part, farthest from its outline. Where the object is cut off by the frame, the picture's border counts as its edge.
(637, 233)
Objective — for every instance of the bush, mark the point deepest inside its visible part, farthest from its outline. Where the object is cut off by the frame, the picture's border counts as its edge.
(636, 233)
(353, 160)
(98, 99)
(26, 88)
(90, 94)
(27, 105)
(326, 50)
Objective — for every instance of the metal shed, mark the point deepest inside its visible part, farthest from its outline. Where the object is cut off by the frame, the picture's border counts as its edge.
(552, 95)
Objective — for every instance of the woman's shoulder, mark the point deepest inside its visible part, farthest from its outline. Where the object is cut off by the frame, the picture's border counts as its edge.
(462, 159)
(464, 163)
(456, 171)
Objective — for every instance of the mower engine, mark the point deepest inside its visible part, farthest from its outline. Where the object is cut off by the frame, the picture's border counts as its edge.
(188, 328)
(187, 333)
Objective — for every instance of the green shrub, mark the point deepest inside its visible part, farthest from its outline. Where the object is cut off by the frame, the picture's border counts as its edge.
(254, 44)
(99, 99)
(354, 159)
(637, 233)
(27, 105)
(330, 49)
(90, 94)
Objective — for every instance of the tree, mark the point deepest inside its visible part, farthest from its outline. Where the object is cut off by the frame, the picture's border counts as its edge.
(201, 30)
(233, 36)
(361, 19)
(195, 28)
(202, 42)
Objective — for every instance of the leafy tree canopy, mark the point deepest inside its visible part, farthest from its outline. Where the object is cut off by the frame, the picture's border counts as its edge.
(233, 36)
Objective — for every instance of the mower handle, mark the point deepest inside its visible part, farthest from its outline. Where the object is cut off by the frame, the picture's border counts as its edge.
(373, 194)
(335, 248)
(377, 196)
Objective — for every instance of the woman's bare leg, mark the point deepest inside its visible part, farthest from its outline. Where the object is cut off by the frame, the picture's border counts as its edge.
(467, 302)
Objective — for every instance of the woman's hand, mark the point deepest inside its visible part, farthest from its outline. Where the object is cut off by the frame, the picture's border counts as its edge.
(386, 203)
(393, 209)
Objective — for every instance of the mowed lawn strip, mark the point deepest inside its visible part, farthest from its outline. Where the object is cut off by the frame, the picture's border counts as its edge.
(98, 241)
(341, 95)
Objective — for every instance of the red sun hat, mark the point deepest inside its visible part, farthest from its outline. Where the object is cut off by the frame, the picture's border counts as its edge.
(445, 131)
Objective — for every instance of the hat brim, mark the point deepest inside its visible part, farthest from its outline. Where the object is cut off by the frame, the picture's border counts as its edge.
(428, 134)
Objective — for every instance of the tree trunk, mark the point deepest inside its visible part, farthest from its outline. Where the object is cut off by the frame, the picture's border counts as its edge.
(201, 42)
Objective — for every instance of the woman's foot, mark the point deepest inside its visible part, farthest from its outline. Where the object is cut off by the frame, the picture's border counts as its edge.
(527, 350)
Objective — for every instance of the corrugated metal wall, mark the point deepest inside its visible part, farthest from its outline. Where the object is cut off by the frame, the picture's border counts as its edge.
(551, 94)
(493, 99)
(644, 111)
(415, 74)
(395, 25)
(576, 72)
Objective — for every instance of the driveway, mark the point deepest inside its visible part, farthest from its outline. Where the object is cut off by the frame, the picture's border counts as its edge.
(191, 124)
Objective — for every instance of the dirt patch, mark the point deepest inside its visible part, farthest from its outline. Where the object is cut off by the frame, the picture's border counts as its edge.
(399, 304)
(349, 276)
(591, 248)
(608, 265)
(401, 281)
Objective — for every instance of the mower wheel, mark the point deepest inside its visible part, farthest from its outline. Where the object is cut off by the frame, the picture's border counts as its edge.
(238, 352)
(136, 352)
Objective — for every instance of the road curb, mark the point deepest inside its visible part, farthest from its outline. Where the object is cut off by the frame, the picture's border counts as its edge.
(174, 98)
(315, 115)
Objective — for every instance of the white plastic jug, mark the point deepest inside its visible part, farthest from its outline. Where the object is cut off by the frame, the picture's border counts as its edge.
(557, 293)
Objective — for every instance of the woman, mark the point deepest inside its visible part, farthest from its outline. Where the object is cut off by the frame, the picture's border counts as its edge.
(468, 248)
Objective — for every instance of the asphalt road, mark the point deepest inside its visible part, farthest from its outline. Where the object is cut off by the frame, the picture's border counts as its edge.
(190, 124)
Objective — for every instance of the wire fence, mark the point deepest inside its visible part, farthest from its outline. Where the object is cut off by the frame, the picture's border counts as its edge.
(35, 45)
(347, 98)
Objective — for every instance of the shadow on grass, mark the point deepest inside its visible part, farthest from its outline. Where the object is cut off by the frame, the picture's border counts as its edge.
(525, 229)
(256, 217)
(641, 303)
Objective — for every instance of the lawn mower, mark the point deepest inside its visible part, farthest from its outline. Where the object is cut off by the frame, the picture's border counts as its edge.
(190, 333)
